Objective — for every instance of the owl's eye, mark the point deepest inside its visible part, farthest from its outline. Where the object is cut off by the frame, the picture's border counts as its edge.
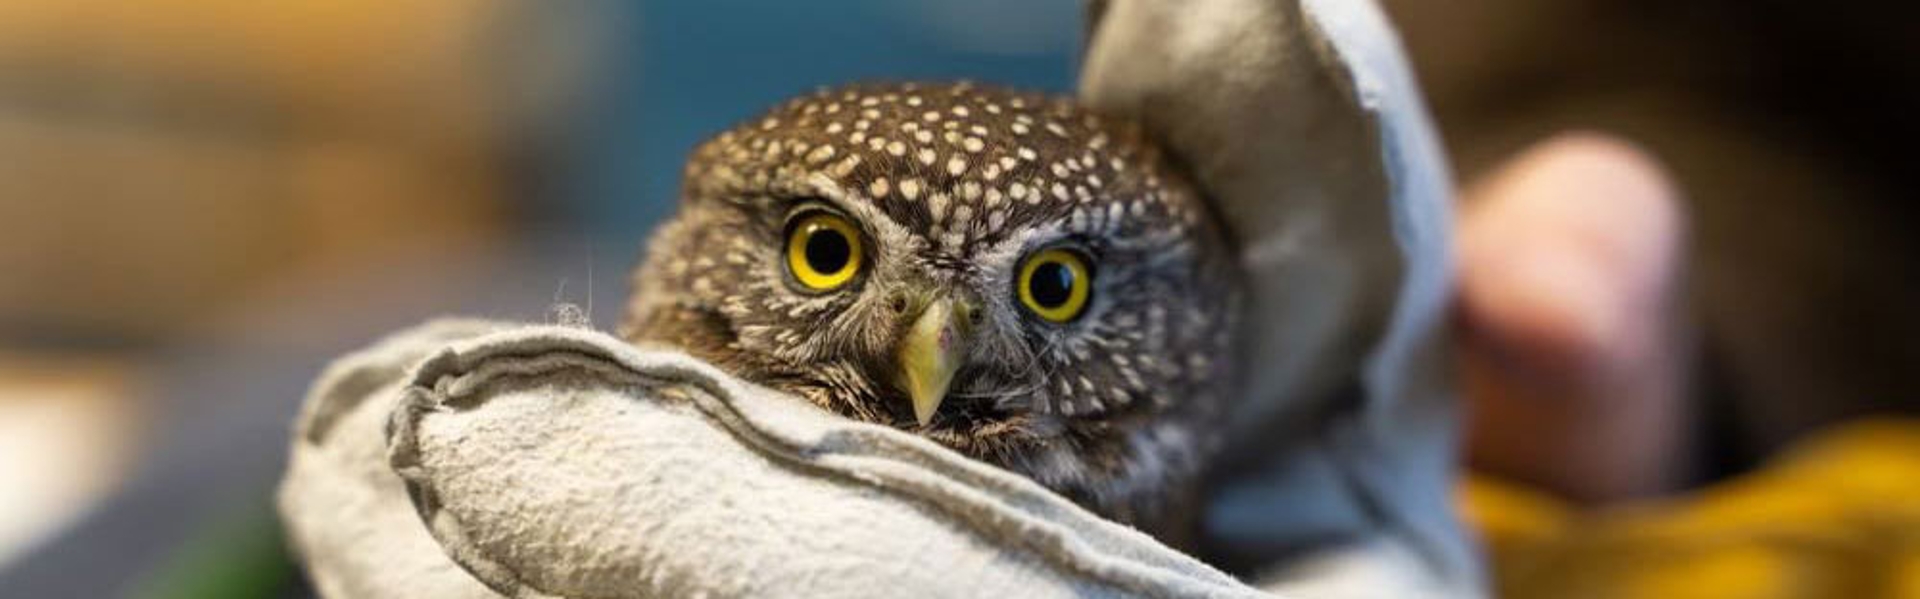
(823, 251)
(1054, 284)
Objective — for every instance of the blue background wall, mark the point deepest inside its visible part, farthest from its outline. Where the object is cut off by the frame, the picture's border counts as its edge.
(683, 71)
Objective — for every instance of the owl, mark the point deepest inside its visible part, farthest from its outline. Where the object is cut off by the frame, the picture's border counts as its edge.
(1007, 274)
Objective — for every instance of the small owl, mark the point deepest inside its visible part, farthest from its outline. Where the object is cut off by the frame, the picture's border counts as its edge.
(1007, 274)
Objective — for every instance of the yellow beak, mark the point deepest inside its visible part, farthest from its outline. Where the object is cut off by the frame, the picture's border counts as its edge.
(933, 350)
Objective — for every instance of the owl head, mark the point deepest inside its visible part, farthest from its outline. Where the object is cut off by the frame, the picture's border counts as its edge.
(1005, 273)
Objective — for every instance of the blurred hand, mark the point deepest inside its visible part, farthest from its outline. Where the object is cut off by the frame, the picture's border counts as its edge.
(1568, 262)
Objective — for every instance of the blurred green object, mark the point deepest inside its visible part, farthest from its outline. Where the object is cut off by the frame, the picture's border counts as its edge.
(241, 558)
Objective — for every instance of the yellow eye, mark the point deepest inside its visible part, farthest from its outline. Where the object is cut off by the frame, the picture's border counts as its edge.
(823, 251)
(1054, 284)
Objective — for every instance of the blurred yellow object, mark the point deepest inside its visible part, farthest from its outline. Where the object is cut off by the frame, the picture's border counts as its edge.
(1838, 516)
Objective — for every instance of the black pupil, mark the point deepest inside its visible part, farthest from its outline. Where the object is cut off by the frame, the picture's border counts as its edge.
(1052, 284)
(827, 250)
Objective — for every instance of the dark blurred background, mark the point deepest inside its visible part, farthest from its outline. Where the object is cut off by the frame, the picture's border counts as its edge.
(201, 201)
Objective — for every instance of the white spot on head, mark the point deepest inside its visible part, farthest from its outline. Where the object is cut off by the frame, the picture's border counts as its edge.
(878, 188)
(937, 206)
(910, 189)
(956, 165)
(846, 165)
(820, 154)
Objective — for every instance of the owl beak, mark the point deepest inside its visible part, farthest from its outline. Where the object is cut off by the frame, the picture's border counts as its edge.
(932, 352)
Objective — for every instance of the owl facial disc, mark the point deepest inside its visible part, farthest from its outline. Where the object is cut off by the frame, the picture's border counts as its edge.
(934, 348)
(1019, 278)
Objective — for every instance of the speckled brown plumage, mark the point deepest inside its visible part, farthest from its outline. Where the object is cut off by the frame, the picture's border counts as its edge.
(951, 185)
